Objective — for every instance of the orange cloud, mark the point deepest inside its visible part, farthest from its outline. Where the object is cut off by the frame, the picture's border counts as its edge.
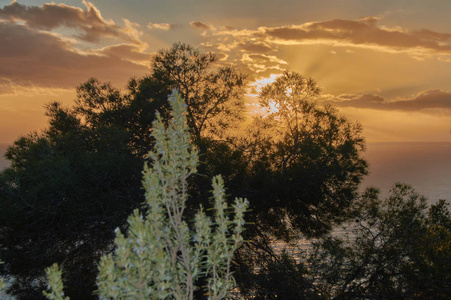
(33, 58)
(429, 101)
(33, 55)
(161, 26)
(92, 26)
(364, 33)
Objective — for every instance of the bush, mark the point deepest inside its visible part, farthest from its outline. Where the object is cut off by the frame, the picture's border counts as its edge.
(162, 256)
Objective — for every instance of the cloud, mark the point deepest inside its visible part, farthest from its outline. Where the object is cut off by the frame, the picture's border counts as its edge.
(32, 58)
(256, 47)
(89, 22)
(364, 33)
(34, 53)
(361, 33)
(201, 25)
(161, 26)
(126, 52)
(430, 100)
(260, 62)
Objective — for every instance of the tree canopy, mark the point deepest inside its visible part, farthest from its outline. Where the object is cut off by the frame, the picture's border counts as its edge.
(214, 96)
(160, 256)
(306, 159)
(70, 186)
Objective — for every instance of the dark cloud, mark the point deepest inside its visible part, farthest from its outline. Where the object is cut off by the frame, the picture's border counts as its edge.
(92, 26)
(29, 57)
(128, 52)
(201, 25)
(430, 99)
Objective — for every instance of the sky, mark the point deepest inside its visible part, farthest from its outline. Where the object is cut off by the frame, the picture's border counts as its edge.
(383, 63)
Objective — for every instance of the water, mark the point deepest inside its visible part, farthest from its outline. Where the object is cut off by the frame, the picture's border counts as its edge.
(425, 166)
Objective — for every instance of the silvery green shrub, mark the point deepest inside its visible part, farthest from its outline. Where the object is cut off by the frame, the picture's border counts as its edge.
(161, 255)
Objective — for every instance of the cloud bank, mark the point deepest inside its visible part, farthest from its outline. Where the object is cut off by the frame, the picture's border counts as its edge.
(60, 46)
(89, 22)
(364, 33)
(36, 53)
(430, 100)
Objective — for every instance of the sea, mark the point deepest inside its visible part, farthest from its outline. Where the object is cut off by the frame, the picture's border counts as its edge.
(425, 166)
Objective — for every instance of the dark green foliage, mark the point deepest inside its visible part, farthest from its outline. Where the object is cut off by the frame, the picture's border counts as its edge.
(303, 175)
(214, 96)
(159, 256)
(397, 250)
(65, 192)
(71, 185)
(394, 248)
(311, 157)
(281, 277)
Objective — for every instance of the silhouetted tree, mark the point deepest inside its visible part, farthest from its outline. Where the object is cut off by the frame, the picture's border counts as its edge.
(71, 185)
(66, 191)
(213, 94)
(313, 155)
(396, 249)
(304, 170)
(160, 256)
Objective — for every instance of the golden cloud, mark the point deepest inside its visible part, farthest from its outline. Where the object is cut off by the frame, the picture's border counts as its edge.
(428, 100)
(364, 33)
(201, 25)
(161, 26)
(92, 26)
(34, 58)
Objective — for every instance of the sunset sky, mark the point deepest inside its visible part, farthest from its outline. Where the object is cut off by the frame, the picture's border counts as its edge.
(384, 63)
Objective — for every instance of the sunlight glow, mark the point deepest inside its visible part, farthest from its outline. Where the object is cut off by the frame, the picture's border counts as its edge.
(273, 107)
(259, 84)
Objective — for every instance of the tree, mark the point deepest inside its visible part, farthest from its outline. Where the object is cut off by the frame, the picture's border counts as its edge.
(314, 155)
(66, 191)
(160, 257)
(214, 96)
(397, 249)
(72, 184)
(304, 169)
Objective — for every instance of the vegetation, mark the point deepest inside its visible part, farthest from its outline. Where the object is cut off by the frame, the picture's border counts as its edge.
(395, 248)
(303, 173)
(72, 185)
(398, 249)
(160, 257)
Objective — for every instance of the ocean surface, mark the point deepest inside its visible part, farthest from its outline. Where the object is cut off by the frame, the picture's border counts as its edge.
(425, 166)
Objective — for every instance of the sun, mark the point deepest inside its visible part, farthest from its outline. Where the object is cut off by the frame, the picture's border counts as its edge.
(252, 95)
